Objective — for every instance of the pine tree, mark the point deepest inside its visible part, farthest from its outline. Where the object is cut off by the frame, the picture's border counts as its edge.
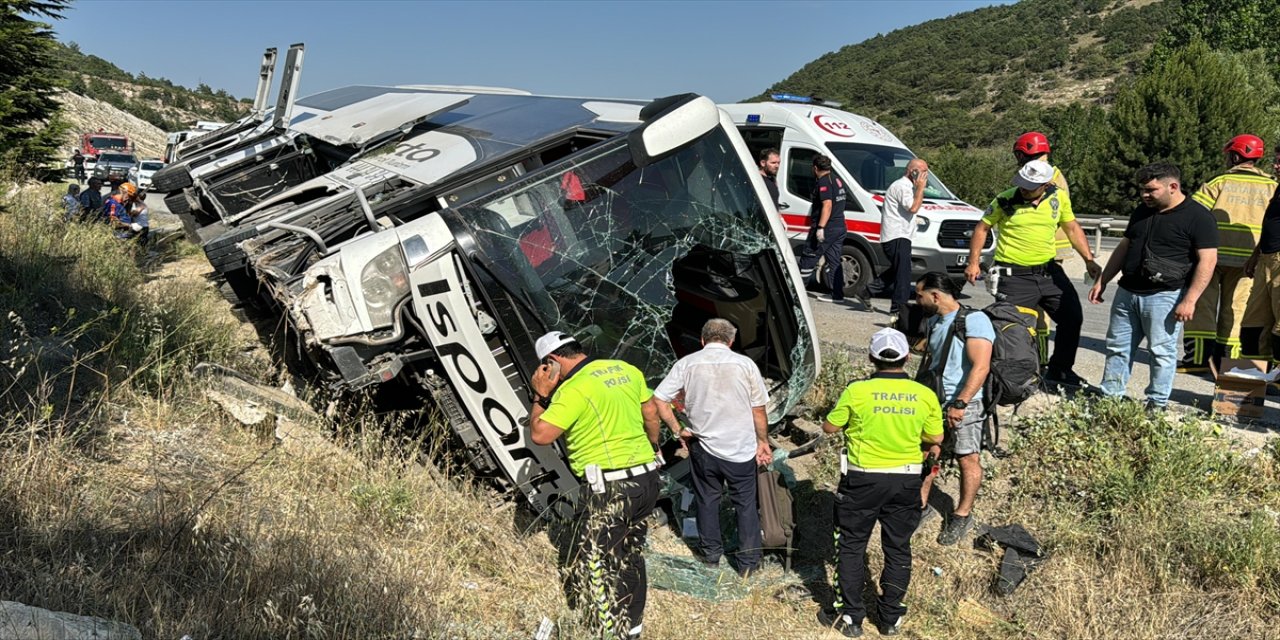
(30, 131)
(1183, 110)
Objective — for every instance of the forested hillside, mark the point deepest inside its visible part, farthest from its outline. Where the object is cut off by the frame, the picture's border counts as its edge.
(157, 100)
(1115, 83)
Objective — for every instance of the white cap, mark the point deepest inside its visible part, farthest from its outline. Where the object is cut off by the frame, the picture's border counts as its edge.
(889, 339)
(1033, 174)
(550, 342)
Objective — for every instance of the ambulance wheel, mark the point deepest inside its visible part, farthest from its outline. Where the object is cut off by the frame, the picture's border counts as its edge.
(857, 270)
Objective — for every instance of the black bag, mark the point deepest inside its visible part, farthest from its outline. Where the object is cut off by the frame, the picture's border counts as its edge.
(1015, 362)
(1162, 271)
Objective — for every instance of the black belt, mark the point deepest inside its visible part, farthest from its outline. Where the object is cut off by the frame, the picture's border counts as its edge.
(1022, 270)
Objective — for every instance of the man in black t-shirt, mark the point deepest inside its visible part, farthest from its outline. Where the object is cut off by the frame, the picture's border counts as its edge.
(826, 229)
(1165, 260)
(1262, 312)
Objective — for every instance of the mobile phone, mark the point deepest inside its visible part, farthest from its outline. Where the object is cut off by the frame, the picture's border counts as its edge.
(553, 369)
(915, 174)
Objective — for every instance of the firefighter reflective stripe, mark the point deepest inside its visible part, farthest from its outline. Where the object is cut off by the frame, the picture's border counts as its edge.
(1238, 200)
(835, 571)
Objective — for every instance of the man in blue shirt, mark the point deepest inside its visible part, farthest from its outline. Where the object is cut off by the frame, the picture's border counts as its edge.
(959, 360)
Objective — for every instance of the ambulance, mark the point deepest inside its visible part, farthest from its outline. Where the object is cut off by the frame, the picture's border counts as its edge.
(868, 158)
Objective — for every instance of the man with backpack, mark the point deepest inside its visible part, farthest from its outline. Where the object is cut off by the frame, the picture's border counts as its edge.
(727, 437)
(957, 364)
(1166, 259)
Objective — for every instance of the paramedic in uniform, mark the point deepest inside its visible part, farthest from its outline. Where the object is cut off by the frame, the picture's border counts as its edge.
(727, 437)
(1029, 146)
(609, 421)
(1027, 217)
(886, 421)
(826, 228)
(1238, 200)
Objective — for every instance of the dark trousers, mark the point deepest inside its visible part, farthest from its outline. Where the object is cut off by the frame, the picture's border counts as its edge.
(863, 499)
(832, 250)
(710, 475)
(1052, 291)
(610, 564)
(896, 280)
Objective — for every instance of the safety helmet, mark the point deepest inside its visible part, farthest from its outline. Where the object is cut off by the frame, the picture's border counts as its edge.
(1032, 143)
(1247, 146)
(127, 190)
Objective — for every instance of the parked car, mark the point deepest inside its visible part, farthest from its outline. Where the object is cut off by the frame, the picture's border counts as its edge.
(142, 172)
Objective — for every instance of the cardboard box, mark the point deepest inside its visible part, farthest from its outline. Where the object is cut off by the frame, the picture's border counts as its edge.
(1239, 396)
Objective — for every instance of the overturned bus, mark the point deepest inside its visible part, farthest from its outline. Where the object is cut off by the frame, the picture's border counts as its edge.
(437, 259)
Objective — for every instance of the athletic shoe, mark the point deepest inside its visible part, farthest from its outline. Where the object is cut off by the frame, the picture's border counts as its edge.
(955, 529)
(890, 629)
(1068, 378)
(842, 623)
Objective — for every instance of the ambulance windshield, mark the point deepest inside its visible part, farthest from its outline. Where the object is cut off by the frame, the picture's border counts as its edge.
(875, 167)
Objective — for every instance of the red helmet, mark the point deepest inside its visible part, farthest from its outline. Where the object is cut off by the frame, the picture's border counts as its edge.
(1247, 146)
(1032, 143)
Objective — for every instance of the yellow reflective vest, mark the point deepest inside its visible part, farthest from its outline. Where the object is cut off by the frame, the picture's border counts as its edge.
(1238, 200)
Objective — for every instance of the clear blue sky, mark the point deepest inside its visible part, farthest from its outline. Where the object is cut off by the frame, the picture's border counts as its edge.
(724, 50)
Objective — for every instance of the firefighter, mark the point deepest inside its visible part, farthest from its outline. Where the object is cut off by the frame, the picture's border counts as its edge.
(1238, 200)
(1029, 146)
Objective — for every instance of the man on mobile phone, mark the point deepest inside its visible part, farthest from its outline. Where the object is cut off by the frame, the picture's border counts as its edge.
(609, 421)
(902, 201)
(727, 438)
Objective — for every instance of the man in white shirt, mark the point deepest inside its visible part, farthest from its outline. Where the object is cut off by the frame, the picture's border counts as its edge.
(727, 437)
(897, 224)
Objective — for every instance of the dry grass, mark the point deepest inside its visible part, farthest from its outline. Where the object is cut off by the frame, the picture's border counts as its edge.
(125, 494)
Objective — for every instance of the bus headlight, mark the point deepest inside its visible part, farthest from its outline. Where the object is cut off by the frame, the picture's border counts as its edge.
(385, 281)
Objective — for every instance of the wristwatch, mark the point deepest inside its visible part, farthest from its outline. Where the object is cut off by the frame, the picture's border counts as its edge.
(542, 401)
(958, 404)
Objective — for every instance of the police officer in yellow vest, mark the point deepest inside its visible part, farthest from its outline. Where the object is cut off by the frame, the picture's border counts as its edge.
(1027, 217)
(609, 421)
(1029, 146)
(1238, 200)
(886, 421)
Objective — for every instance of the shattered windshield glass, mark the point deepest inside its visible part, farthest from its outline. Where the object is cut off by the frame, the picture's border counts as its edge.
(633, 260)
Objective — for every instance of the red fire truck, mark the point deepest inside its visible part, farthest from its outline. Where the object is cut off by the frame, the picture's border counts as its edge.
(91, 144)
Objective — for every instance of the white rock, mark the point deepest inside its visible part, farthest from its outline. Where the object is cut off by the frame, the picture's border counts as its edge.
(21, 622)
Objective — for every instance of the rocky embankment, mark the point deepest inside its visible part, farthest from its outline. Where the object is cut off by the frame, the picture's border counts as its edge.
(86, 115)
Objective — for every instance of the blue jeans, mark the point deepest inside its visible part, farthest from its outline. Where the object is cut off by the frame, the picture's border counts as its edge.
(1135, 316)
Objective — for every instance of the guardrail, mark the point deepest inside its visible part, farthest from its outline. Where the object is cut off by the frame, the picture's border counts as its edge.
(1099, 226)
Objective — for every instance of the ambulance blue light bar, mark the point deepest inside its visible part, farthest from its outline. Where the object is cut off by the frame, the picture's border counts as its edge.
(787, 97)
(753, 118)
